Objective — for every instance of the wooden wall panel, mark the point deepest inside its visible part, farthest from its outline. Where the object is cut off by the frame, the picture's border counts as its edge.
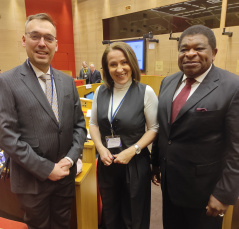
(232, 47)
(88, 36)
(12, 20)
(61, 12)
(87, 19)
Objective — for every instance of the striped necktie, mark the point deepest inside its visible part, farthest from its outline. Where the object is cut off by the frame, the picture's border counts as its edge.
(51, 96)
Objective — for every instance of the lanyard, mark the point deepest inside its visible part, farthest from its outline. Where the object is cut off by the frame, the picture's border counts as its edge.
(85, 71)
(113, 115)
(51, 74)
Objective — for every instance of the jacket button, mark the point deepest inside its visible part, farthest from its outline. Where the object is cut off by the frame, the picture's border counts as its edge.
(169, 142)
(60, 132)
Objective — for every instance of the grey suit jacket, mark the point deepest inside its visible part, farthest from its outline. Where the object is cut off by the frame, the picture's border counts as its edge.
(199, 153)
(86, 76)
(29, 131)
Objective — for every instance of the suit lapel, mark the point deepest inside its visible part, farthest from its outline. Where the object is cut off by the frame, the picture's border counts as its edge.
(210, 82)
(169, 96)
(31, 81)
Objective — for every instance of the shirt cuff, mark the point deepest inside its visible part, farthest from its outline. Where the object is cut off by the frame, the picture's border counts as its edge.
(72, 162)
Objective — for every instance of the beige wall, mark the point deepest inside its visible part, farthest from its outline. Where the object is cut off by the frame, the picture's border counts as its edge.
(162, 60)
(12, 19)
(88, 36)
(88, 31)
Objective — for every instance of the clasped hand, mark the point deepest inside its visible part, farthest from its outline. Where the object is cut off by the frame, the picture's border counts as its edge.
(60, 170)
(155, 175)
(122, 158)
(215, 207)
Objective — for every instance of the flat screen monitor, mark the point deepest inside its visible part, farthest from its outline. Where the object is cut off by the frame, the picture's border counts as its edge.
(138, 45)
(89, 95)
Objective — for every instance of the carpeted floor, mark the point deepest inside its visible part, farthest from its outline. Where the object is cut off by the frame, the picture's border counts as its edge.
(156, 207)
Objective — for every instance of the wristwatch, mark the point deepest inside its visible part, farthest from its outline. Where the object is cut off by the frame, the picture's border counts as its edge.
(137, 149)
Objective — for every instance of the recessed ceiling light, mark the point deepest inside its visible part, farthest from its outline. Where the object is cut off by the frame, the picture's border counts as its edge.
(214, 1)
(177, 9)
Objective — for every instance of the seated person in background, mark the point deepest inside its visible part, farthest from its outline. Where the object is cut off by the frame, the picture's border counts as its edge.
(85, 72)
(95, 75)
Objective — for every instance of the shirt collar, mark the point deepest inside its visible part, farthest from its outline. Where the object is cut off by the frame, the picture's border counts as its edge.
(38, 72)
(199, 78)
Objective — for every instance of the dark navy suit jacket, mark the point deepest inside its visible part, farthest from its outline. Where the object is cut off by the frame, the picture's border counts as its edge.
(95, 77)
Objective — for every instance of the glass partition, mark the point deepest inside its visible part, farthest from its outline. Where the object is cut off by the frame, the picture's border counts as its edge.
(232, 18)
(163, 20)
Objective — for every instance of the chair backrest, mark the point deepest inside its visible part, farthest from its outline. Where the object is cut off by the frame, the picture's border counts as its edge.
(9, 224)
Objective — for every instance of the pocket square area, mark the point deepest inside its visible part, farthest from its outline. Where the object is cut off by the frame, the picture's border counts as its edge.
(201, 109)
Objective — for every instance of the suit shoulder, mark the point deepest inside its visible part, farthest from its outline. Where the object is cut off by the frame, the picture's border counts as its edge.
(12, 73)
(168, 79)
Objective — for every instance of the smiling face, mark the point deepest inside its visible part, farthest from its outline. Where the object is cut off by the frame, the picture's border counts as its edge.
(195, 55)
(40, 52)
(119, 68)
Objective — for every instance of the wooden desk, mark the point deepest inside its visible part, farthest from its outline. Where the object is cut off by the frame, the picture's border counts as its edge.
(152, 81)
(84, 90)
(86, 194)
(86, 190)
(227, 219)
(86, 103)
(85, 200)
(9, 203)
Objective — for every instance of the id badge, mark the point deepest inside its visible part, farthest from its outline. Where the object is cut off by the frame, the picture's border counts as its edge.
(113, 142)
(85, 76)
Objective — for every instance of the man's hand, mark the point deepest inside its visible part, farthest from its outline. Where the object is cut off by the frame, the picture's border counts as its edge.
(60, 170)
(155, 175)
(65, 161)
(215, 207)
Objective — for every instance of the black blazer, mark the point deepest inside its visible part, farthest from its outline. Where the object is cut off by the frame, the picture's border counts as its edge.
(199, 153)
(95, 77)
(29, 131)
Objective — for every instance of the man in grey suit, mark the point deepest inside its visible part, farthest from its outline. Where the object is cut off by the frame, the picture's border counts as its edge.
(197, 150)
(85, 72)
(44, 138)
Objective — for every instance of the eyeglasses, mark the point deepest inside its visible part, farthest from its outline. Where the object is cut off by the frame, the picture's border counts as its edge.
(35, 36)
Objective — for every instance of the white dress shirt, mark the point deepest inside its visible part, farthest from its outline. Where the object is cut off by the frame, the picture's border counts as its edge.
(194, 86)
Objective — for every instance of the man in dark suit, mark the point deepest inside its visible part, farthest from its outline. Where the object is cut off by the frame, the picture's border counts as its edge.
(95, 75)
(197, 150)
(44, 138)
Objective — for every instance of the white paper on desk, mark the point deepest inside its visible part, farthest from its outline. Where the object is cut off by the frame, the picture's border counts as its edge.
(88, 86)
(88, 113)
(88, 136)
(79, 166)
